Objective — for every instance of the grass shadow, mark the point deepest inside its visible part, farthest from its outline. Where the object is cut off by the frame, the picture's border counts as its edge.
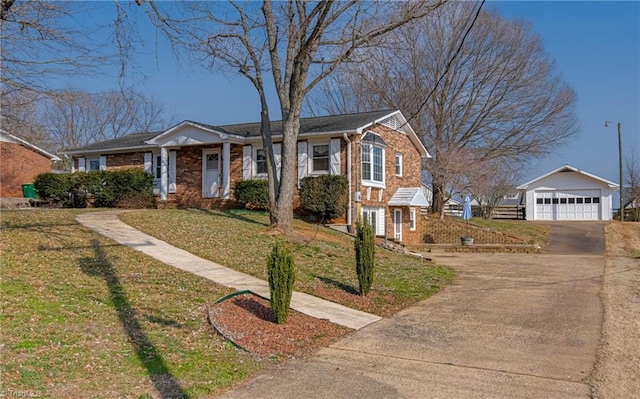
(337, 284)
(164, 382)
(232, 214)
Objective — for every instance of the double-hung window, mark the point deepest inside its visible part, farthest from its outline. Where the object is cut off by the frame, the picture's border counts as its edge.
(319, 157)
(94, 164)
(412, 219)
(398, 164)
(261, 162)
(373, 159)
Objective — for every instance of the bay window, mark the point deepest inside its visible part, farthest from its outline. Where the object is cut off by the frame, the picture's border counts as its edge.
(373, 159)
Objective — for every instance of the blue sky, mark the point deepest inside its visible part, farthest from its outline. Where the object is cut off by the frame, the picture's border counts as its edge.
(595, 45)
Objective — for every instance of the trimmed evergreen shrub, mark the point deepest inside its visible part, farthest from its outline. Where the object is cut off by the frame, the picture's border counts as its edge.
(252, 194)
(96, 188)
(282, 275)
(55, 188)
(324, 196)
(365, 255)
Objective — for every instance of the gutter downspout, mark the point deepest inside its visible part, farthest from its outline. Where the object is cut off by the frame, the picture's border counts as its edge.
(349, 209)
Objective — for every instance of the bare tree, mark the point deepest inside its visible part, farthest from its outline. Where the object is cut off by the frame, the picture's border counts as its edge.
(23, 116)
(632, 182)
(453, 170)
(41, 40)
(499, 97)
(493, 181)
(75, 118)
(293, 45)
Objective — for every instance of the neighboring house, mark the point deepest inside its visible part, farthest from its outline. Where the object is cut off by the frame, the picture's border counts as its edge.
(197, 165)
(20, 163)
(568, 193)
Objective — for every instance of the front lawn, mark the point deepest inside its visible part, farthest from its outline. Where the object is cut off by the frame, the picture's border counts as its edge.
(84, 317)
(324, 258)
(527, 231)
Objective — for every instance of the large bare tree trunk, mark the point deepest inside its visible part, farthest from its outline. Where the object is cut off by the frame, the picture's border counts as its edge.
(282, 213)
(438, 190)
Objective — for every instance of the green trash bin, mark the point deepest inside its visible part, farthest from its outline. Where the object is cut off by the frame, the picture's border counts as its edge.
(29, 191)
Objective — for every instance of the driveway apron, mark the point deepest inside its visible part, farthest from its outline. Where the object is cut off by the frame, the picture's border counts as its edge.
(511, 326)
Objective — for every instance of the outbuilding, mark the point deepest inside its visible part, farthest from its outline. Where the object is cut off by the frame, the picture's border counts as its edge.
(568, 193)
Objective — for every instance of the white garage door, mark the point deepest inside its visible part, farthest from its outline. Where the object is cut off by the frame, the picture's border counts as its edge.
(568, 205)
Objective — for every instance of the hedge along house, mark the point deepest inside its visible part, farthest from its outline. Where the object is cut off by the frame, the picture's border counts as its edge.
(568, 193)
(197, 165)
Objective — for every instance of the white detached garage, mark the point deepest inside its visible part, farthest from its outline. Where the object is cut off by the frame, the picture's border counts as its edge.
(568, 193)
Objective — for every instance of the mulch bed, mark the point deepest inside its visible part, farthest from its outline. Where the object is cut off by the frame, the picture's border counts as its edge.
(247, 320)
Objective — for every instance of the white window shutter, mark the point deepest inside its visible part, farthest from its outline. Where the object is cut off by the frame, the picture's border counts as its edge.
(246, 162)
(81, 164)
(277, 157)
(381, 222)
(172, 171)
(103, 162)
(302, 161)
(148, 162)
(334, 156)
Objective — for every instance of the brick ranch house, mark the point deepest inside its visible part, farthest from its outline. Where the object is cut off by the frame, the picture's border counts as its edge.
(20, 163)
(197, 165)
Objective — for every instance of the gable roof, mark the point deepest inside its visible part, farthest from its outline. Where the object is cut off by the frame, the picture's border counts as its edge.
(345, 123)
(308, 126)
(8, 137)
(318, 124)
(568, 168)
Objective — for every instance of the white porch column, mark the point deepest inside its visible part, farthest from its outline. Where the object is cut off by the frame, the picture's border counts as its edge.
(164, 173)
(226, 166)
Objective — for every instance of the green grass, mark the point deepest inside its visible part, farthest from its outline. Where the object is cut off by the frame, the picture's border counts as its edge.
(530, 233)
(325, 259)
(85, 317)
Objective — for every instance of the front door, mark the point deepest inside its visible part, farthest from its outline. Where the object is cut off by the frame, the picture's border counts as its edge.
(211, 174)
(397, 224)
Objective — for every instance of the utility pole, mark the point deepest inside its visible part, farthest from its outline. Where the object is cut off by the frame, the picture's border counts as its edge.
(620, 165)
(606, 124)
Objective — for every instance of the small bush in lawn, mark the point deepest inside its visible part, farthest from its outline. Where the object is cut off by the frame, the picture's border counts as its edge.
(365, 255)
(282, 275)
(252, 194)
(324, 196)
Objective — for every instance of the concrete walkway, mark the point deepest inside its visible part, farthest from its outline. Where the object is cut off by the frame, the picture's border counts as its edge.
(108, 224)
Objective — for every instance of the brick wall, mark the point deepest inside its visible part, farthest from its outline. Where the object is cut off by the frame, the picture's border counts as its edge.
(396, 142)
(19, 165)
(449, 231)
(125, 161)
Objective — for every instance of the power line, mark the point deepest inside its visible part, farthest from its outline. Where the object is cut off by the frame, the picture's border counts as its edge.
(448, 67)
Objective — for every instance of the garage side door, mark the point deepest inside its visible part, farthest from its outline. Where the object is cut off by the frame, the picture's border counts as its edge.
(568, 205)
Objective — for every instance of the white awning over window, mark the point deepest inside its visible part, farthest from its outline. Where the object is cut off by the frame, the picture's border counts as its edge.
(408, 196)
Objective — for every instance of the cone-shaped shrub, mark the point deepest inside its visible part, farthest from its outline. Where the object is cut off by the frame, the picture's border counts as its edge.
(282, 275)
(365, 255)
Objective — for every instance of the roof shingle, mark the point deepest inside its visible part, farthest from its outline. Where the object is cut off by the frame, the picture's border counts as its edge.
(319, 124)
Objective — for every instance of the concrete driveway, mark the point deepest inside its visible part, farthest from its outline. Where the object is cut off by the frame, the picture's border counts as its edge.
(567, 238)
(511, 326)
